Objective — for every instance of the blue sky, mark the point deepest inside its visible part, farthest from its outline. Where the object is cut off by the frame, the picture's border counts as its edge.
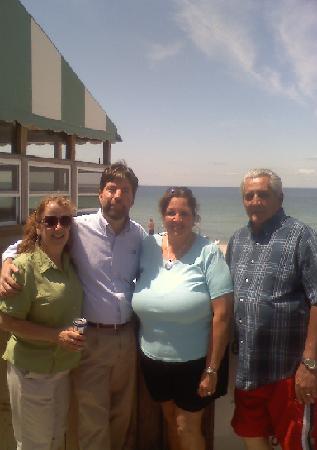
(200, 90)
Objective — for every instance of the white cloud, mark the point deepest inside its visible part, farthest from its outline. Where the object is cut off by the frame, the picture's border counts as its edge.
(306, 171)
(296, 25)
(160, 52)
(273, 42)
(214, 31)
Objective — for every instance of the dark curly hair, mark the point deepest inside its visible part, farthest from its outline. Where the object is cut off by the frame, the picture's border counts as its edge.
(30, 236)
(119, 169)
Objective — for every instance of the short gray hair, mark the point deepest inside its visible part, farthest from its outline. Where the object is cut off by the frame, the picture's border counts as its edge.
(275, 180)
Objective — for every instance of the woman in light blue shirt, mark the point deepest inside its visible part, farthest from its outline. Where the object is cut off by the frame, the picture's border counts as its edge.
(183, 299)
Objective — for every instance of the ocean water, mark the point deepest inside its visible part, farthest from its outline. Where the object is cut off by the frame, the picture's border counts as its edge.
(221, 209)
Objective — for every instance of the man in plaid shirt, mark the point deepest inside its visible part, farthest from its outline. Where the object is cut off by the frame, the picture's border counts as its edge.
(273, 262)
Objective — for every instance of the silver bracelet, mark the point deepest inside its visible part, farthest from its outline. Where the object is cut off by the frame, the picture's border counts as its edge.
(210, 370)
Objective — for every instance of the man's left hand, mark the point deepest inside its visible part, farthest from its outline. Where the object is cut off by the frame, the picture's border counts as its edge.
(305, 385)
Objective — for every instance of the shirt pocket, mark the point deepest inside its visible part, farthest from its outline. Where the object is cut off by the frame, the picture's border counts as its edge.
(47, 302)
(129, 266)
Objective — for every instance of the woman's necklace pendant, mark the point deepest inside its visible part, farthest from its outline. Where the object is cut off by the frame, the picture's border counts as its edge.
(169, 264)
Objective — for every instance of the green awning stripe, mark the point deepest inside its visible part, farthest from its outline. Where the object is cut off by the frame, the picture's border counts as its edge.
(73, 97)
(16, 83)
(27, 119)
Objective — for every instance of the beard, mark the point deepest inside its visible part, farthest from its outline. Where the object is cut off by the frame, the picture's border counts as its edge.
(117, 211)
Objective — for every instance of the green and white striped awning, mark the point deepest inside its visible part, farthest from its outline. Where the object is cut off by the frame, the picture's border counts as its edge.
(38, 88)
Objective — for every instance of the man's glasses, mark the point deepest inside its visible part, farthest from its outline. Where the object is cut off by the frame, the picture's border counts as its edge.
(52, 221)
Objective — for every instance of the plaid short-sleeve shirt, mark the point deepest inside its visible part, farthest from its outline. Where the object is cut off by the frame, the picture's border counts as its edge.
(275, 284)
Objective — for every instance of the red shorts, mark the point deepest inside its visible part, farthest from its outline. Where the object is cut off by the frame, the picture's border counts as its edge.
(272, 410)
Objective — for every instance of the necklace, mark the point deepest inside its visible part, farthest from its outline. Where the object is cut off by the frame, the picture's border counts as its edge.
(171, 261)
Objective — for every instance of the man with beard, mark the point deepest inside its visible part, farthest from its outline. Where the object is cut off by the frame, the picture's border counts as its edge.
(105, 249)
(273, 262)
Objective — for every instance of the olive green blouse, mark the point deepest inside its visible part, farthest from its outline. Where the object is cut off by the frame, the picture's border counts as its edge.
(50, 297)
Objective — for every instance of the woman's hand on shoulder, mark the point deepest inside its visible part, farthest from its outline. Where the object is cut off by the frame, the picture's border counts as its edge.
(71, 340)
(8, 285)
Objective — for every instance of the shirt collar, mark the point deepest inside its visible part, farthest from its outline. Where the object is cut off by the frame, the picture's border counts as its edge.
(270, 225)
(106, 227)
(44, 262)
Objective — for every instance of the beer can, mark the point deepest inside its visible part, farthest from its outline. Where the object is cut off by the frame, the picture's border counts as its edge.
(79, 325)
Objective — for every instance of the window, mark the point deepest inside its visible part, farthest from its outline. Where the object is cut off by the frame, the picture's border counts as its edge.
(9, 192)
(89, 151)
(88, 188)
(7, 137)
(45, 144)
(47, 179)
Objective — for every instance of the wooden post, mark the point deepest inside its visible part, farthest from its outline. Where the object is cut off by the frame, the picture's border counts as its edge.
(71, 155)
(150, 424)
(57, 150)
(21, 139)
(21, 144)
(58, 174)
(208, 426)
(71, 147)
(106, 152)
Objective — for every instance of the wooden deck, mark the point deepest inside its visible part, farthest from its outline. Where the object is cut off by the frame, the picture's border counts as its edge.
(147, 430)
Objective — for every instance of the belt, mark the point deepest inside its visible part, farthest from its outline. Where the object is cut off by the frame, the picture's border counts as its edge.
(112, 326)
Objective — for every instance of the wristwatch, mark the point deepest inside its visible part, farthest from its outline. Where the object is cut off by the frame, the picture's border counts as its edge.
(310, 364)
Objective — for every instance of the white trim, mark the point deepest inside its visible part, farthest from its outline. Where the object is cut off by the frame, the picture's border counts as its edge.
(89, 168)
(10, 194)
(43, 193)
(48, 164)
(13, 162)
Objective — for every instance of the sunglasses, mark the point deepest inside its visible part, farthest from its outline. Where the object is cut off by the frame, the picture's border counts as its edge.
(52, 221)
(263, 195)
(179, 190)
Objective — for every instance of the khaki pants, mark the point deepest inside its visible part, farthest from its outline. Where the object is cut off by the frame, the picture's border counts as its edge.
(105, 386)
(39, 404)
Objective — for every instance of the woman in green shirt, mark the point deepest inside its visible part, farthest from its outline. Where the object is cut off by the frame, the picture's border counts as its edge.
(43, 346)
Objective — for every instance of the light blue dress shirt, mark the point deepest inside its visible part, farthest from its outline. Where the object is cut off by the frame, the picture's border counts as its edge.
(106, 263)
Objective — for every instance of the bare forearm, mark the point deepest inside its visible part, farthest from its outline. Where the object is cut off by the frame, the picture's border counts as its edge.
(68, 338)
(28, 330)
(310, 350)
(219, 338)
(306, 379)
(218, 343)
(221, 327)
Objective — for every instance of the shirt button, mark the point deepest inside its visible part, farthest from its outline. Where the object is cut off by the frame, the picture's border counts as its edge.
(252, 261)
(240, 320)
(247, 280)
(241, 299)
(241, 342)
